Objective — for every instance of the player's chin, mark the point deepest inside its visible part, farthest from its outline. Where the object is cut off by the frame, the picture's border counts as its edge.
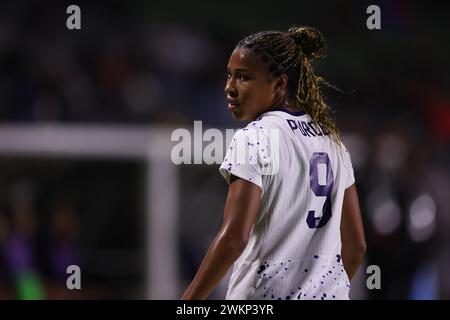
(238, 114)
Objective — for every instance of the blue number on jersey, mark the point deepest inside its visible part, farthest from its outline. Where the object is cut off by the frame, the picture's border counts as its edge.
(320, 190)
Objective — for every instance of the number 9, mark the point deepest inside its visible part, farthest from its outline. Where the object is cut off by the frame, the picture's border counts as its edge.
(320, 190)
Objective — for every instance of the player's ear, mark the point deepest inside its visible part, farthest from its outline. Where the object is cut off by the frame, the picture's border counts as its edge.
(281, 84)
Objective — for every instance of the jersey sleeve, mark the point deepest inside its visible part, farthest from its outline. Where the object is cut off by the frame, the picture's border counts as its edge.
(249, 156)
(350, 176)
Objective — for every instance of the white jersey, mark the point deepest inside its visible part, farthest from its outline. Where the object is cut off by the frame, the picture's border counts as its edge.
(294, 250)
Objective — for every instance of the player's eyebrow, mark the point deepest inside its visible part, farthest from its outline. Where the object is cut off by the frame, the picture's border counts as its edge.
(238, 70)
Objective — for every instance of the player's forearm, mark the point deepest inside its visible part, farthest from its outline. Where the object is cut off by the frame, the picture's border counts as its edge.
(352, 259)
(222, 253)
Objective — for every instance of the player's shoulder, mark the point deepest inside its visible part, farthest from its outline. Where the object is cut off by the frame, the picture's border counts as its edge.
(253, 126)
(268, 120)
(256, 131)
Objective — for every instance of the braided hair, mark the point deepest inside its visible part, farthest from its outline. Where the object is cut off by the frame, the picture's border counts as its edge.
(291, 53)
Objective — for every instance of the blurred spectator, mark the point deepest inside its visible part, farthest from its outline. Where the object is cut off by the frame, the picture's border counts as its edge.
(21, 247)
(5, 277)
(62, 248)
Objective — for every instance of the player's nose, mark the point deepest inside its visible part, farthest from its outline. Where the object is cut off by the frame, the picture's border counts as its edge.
(230, 89)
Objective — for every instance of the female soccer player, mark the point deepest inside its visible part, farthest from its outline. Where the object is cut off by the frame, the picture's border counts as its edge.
(292, 223)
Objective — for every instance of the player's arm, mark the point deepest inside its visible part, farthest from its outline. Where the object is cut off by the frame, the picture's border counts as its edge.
(240, 212)
(352, 232)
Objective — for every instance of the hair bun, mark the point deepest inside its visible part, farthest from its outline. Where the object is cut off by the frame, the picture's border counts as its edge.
(310, 40)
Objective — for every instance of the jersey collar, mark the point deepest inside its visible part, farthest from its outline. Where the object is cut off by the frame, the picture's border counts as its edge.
(295, 113)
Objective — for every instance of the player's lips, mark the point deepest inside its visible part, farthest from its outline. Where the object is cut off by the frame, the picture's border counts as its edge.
(232, 104)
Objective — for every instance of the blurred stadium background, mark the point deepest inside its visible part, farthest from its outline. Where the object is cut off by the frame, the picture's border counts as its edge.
(86, 118)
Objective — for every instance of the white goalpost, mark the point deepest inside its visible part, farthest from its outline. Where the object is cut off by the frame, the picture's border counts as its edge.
(152, 146)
